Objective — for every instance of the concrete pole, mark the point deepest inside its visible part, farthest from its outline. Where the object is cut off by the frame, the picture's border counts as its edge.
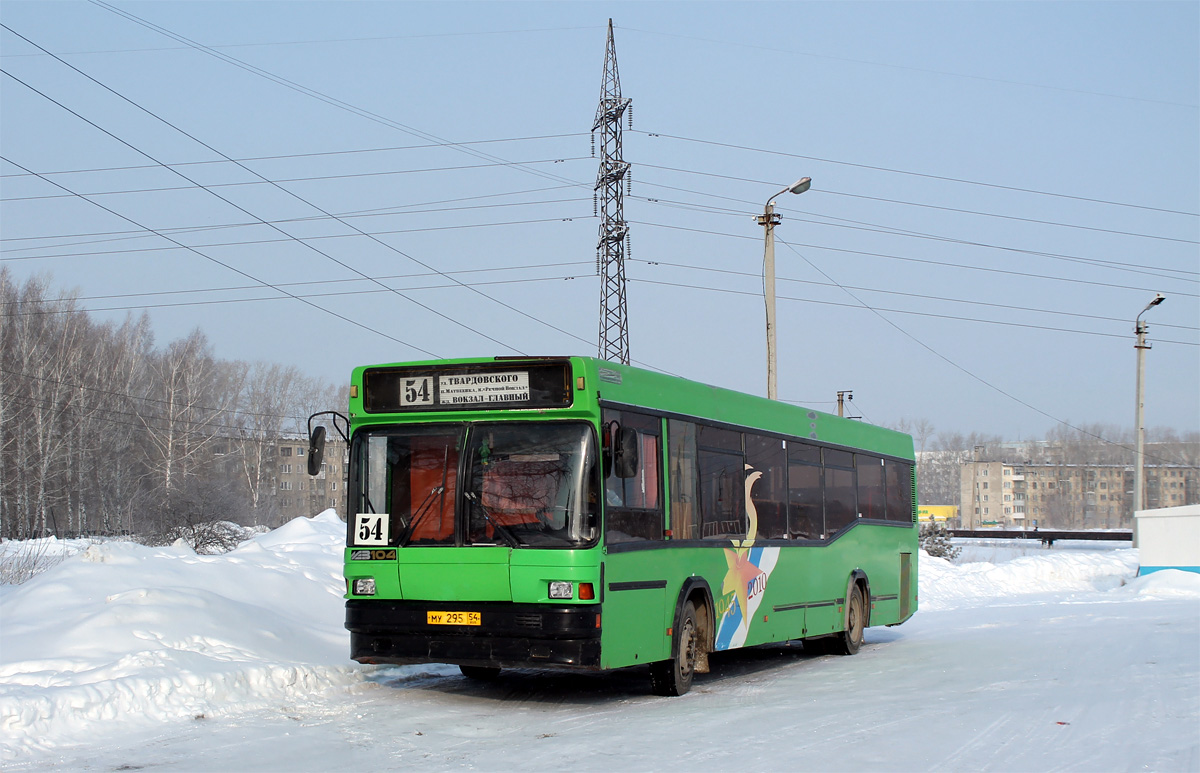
(1139, 428)
(770, 220)
(1139, 470)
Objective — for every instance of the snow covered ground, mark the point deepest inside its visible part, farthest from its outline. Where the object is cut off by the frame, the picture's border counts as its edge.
(124, 657)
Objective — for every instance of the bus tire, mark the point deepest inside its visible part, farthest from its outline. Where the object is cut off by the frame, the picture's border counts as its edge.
(480, 673)
(674, 676)
(850, 640)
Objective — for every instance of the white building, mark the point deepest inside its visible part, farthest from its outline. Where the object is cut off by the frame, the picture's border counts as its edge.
(1169, 538)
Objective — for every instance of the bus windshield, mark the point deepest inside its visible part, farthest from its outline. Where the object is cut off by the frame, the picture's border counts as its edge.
(522, 484)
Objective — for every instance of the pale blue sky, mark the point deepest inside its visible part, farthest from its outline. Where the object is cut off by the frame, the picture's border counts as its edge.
(935, 134)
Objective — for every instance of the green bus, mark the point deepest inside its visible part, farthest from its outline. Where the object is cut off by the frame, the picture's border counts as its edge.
(567, 512)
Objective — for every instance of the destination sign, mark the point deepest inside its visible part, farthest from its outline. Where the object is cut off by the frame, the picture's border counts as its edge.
(545, 384)
(510, 387)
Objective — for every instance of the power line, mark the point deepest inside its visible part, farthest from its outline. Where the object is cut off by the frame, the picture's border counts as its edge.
(237, 288)
(314, 42)
(303, 239)
(568, 278)
(219, 301)
(265, 181)
(916, 174)
(910, 295)
(377, 211)
(142, 421)
(230, 203)
(729, 291)
(935, 206)
(333, 101)
(143, 399)
(304, 155)
(955, 365)
(859, 225)
(916, 260)
(910, 68)
(299, 198)
(236, 270)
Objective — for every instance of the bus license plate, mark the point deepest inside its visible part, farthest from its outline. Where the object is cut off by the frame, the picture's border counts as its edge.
(454, 618)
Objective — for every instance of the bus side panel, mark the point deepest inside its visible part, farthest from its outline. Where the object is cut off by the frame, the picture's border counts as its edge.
(804, 591)
(638, 607)
(892, 574)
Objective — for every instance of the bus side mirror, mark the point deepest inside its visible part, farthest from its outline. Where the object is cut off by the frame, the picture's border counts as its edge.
(625, 456)
(316, 450)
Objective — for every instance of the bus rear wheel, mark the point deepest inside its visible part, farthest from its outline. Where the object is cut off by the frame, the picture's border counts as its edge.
(481, 673)
(850, 640)
(674, 676)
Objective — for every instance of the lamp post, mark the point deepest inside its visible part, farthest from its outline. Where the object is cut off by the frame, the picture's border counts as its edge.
(768, 220)
(1139, 473)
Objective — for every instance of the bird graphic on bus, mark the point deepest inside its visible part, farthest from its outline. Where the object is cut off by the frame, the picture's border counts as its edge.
(745, 582)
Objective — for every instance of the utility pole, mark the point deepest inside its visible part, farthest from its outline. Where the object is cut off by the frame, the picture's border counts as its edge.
(614, 231)
(1139, 471)
(844, 394)
(768, 220)
(977, 516)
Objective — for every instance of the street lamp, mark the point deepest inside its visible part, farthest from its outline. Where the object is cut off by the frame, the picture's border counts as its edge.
(1139, 473)
(768, 220)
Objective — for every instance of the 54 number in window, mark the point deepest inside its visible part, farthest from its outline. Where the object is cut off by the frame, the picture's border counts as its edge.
(416, 391)
(371, 529)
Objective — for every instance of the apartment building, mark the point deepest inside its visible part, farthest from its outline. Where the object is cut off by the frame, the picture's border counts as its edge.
(295, 492)
(1066, 496)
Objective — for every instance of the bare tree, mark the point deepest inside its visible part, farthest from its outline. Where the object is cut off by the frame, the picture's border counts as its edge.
(96, 425)
(182, 417)
(263, 413)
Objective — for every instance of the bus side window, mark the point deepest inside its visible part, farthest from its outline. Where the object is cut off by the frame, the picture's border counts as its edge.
(841, 495)
(722, 487)
(806, 500)
(684, 469)
(870, 486)
(634, 505)
(899, 491)
(768, 493)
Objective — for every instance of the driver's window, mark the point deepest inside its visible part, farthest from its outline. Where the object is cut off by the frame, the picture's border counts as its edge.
(633, 505)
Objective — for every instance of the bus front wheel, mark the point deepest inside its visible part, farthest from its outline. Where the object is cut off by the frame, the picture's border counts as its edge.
(674, 676)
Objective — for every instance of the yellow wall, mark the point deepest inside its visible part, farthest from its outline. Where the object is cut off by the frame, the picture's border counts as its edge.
(940, 513)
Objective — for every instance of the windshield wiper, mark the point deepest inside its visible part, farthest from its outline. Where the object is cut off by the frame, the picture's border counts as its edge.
(503, 531)
(427, 505)
(424, 508)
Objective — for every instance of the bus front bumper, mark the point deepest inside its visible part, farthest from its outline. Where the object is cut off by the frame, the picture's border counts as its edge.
(508, 635)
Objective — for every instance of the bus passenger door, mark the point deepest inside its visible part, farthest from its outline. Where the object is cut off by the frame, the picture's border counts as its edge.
(635, 620)
(636, 615)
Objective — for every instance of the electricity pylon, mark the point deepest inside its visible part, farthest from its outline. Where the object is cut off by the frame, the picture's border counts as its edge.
(614, 231)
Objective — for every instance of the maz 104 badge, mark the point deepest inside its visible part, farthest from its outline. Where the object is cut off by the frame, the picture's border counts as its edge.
(371, 529)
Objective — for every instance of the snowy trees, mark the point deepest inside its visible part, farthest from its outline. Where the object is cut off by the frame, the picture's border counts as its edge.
(272, 401)
(100, 432)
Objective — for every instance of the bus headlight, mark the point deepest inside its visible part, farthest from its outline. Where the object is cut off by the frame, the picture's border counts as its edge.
(364, 586)
(561, 590)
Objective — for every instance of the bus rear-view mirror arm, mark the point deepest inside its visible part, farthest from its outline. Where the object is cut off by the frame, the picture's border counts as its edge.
(316, 439)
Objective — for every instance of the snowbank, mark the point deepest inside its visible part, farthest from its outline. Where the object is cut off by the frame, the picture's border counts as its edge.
(131, 634)
(1166, 584)
(121, 637)
(22, 559)
(944, 585)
